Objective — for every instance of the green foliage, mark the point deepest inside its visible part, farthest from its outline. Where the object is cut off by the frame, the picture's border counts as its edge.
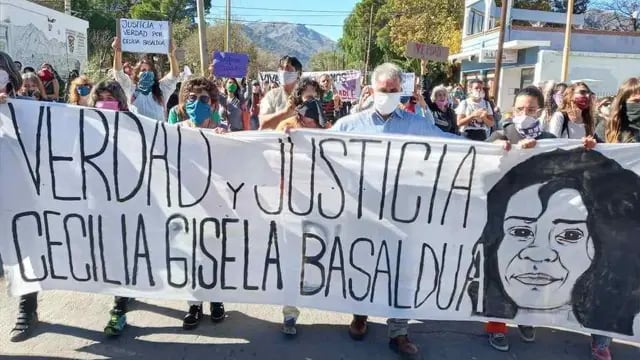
(171, 10)
(215, 42)
(327, 60)
(356, 32)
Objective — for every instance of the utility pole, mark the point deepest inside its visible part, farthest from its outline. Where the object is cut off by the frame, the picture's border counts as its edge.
(228, 27)
(202, 34)
(498, 70)
(567, 42)
(67, 7)
(368, 58)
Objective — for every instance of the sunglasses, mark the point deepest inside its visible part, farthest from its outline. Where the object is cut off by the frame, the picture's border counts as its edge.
(201, 98)
(583, 92)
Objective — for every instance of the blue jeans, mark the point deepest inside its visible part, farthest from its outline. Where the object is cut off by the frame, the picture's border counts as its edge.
(255, 122)
(601, 340)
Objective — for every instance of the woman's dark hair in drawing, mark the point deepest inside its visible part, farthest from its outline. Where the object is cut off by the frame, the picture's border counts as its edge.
(605, 295)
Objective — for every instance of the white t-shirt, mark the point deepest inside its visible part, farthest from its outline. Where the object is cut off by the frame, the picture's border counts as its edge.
(273, 101)
(466, 107)
(576, 130)
(146, 105)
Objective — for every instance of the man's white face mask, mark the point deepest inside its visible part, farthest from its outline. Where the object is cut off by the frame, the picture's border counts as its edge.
(386, 103)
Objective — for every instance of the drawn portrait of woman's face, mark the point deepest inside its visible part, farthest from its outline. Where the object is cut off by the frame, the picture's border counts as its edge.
(545, 249)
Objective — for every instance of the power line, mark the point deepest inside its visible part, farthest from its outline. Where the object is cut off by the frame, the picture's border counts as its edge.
(288, 10)
(276, 22)
(296, 15)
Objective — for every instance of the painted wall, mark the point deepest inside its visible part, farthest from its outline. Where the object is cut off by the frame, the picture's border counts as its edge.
(33, 34)
(610, 70)
(610, 43)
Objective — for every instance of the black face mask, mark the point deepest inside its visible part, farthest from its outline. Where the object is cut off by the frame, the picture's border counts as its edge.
(31, 93)
(633, 114)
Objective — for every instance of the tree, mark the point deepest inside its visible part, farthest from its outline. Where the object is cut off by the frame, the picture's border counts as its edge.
(327, 60)
(170, 10)
(215, 41)
(579, 6)
(625, 13)
(408, 21)
(355, 34)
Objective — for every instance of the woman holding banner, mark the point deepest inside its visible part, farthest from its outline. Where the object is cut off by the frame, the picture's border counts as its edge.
(197, 105)
(147, 93)
(10, 83)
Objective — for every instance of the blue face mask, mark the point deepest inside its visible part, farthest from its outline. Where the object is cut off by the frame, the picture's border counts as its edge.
(146, 81)
(83, 90)
(198, 111)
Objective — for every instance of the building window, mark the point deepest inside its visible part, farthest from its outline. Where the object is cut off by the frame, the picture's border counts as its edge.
(526, 77)
(475, 22)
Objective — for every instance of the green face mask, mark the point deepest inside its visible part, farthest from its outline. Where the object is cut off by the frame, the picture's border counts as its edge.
(232, 87)
(328, 96)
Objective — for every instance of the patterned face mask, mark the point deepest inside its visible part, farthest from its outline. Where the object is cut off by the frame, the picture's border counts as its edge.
(527, 126)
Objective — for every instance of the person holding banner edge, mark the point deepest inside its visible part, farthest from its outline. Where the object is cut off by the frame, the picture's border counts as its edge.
(10, 83)
(147, 93)
(385, 117)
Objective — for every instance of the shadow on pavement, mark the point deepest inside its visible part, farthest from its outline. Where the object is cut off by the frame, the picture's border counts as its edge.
(244, 337)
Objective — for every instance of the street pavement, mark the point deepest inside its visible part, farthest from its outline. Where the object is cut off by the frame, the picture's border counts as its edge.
(71, 326)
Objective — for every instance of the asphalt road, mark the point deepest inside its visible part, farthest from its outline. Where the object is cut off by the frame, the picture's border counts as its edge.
(71, 328)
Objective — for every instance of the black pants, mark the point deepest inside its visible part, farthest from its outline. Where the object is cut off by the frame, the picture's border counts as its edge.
(29, 302)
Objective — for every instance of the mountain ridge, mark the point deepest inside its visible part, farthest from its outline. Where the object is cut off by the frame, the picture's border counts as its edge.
(288, 39)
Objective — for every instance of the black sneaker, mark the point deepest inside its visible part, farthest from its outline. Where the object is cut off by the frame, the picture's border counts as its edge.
(499, 341)
(193, 317)
(527, 333)
(217, 311)
(27, 319)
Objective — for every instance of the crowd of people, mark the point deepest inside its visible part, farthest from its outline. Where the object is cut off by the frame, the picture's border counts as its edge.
(554, 110)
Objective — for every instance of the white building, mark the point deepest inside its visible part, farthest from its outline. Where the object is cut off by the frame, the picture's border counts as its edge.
(34, 34)
(533, 53)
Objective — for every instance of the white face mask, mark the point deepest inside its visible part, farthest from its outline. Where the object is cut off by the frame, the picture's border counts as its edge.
(287, 77)
(477, 94)
(386, 103)
(4, 79)
(606, 110)
(527, 126)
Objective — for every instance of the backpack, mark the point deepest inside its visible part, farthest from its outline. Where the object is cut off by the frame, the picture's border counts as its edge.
(565, 124)
(61, 84)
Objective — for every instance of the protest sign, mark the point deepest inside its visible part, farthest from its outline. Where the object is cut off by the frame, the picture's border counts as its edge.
(346, 83)
(393, 226)
(408, 84)
(144, 36)
(230, 64)
(427, 51)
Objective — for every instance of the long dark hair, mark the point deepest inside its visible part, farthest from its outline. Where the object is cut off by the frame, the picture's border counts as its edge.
(15, 79)
(155, 89)
(238, 88)
(618, 120)
(607, 295)
(588, 118)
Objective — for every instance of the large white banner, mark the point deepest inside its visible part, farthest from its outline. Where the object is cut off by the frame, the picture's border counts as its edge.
(345, 82)
(405, 227)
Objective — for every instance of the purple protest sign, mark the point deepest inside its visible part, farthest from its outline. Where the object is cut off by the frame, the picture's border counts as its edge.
(230, 64)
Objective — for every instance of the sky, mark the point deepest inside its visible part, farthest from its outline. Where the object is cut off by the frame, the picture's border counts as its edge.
(324, 16)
